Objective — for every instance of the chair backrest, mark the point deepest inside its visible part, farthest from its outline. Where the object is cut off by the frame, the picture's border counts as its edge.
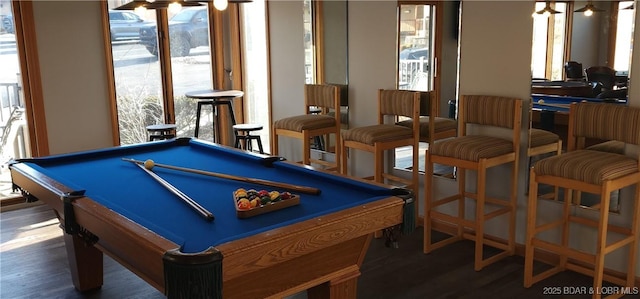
(604, 122)
(322, 95)
(398, 102)
(494, 111)
(603, 75)
(573, 70)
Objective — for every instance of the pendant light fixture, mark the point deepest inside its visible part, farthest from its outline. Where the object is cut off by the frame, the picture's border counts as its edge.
(589, 9)
(547, 10)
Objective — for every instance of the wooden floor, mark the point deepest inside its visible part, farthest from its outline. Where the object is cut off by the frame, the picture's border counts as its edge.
(33, 264)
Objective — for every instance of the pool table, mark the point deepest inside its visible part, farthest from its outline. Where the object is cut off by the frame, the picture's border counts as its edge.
(108, 205)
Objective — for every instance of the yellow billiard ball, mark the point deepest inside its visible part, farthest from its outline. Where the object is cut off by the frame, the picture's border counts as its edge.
(148, 164)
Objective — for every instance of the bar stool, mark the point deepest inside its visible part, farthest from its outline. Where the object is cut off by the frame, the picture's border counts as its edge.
(592, 171)
(161, 131)
(383, 137)
(214, 98)
(479, 153)
(308, 125)
(243, 133)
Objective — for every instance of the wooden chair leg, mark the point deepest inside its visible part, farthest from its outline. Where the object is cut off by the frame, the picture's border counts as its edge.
(378, 165)
(338, 151)
(343, 161)
(479, 222)
(513, 207)
(428, 194)
(531, 227)
(598, 272)
(306, 148)
(461, 199)
(274, 143)
(565, 231)
(416, 184)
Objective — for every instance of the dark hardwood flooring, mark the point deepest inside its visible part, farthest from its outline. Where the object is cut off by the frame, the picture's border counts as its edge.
(33, 264)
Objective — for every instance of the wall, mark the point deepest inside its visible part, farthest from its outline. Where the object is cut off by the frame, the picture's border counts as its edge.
(73, 70)
(286, 50)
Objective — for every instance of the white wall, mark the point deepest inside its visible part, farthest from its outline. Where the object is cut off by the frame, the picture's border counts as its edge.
(495, 59)
(372, 65)
(287, 68)
(73, 71)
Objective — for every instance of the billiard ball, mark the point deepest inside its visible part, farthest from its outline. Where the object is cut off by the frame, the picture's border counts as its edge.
(148, 164)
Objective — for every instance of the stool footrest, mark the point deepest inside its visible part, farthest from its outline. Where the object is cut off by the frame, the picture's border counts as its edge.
(593, 223)
(562, 251)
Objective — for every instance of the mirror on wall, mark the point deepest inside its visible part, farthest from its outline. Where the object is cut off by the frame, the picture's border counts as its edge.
(326, 55)
(579, 57)
(427, 60)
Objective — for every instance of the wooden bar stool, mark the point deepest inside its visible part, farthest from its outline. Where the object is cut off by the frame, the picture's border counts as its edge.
(161, 131)
(592, 171)
(476, 152)
(244, 137)
(311, 124)
(385, 136)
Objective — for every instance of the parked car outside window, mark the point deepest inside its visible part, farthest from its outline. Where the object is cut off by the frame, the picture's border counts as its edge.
(414, 53)
(7, 24)
(125, 25)
(188, 29)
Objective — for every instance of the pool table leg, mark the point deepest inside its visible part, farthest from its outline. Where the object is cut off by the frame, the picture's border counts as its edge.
(344, 287)
(85, 263)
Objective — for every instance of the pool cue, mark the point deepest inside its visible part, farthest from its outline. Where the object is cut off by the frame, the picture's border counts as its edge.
(194, 205)
(296, 188)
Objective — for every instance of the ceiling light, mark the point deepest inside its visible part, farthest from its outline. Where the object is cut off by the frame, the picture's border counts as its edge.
(547, 10)
(589, 9)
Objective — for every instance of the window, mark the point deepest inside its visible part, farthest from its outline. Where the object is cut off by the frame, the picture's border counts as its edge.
(416, 36)
(144, 94)
(624, 36)
(549, 42)
(255, 68)
(23, 131)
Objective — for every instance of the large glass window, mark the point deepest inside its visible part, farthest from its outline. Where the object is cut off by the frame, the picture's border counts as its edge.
(624, 36)
(549, 42)
(255, 72)
(140, 68)
(14, 133)
(137, 74)
(309, 45)
(415, 47)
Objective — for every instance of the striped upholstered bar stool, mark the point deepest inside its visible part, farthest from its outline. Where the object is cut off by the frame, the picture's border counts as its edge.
(311, 124)
(592, 171)
(383, 136)
(479, 153)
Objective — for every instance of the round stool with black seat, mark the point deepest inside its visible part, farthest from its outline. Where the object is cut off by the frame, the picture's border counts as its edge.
(243, 133)
(161, 131)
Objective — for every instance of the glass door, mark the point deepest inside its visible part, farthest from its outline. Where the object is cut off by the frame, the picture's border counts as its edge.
(14, 131)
